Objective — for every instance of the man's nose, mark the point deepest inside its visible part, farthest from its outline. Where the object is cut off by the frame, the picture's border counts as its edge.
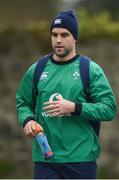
(59, 39)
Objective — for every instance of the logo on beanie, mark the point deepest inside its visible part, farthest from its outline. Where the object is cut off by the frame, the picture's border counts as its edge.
(58, 21)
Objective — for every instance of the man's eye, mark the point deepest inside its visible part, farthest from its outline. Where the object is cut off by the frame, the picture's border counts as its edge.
(65, 35)
(54, 35)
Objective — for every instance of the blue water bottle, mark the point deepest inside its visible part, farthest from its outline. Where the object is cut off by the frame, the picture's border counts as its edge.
(45, 148)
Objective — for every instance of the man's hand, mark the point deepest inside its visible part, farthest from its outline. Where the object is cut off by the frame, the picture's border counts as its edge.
(32, 128)
(59, 107)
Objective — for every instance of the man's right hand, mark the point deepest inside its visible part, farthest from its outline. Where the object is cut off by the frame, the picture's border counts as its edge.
(32, 128)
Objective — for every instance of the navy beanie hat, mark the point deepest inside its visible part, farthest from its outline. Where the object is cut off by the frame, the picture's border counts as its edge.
(68, 20)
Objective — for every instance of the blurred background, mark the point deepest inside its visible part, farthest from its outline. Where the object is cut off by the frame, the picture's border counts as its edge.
(24, 37)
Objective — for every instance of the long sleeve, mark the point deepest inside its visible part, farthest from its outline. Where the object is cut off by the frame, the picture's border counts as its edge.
(103, 107)
(24, 97)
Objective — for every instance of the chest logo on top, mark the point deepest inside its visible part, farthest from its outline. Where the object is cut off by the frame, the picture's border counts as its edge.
(76, 75)
(55, 97)
(44, 75)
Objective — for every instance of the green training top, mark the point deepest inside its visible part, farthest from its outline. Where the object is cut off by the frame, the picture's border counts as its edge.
(71, 137)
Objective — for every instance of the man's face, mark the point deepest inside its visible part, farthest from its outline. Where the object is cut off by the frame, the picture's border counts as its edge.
(63, 42)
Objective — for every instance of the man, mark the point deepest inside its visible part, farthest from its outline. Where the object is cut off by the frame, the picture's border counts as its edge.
(62, 111)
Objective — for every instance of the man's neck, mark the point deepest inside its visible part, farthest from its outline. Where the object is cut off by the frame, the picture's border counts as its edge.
(65, 58)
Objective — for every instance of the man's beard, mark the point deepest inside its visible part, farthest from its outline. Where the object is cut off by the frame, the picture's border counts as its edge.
(62, 54)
